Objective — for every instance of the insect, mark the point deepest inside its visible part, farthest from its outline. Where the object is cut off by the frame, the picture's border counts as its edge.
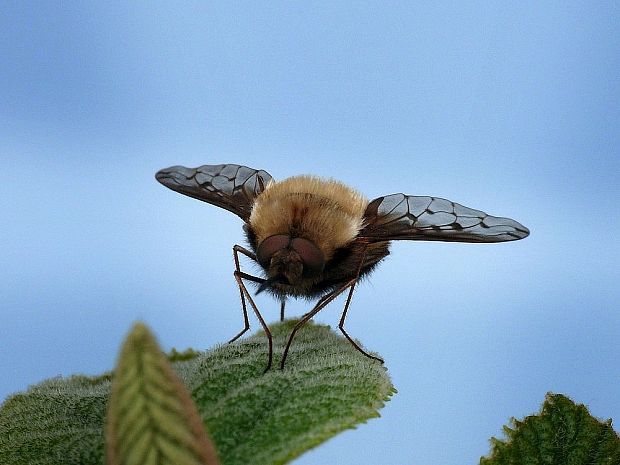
(315, 238)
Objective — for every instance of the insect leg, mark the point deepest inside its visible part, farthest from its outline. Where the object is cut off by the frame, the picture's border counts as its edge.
(341, 326)
(282, 304)
(319, 302)
(236, 250)
(239, 276)
(346, 308)
(326, 299)
(248, 253)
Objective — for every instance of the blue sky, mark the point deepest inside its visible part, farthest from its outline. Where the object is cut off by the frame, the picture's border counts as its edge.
(509, 108)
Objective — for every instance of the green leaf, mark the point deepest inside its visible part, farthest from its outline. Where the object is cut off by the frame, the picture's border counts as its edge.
(151, 417)
(326, 387)
(563, 433)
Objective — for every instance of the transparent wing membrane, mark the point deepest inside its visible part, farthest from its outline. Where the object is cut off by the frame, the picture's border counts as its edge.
(408, 217)
(232, 187)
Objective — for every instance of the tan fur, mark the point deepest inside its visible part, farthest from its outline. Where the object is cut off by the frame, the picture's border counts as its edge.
(326, 212)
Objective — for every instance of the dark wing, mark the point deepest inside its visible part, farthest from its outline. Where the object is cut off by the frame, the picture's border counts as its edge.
(232, 187)
(409, 217)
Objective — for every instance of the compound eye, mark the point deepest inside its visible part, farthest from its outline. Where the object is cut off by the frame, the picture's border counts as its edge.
(311, 255)
(269, 246)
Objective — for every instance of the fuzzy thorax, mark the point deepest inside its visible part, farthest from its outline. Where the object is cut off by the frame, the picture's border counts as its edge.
(326, 212)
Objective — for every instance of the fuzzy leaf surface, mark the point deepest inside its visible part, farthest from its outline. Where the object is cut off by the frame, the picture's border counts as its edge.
(263, 419)
(563, 433)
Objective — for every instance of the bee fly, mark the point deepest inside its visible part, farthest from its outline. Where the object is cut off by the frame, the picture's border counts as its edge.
(316, 238)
